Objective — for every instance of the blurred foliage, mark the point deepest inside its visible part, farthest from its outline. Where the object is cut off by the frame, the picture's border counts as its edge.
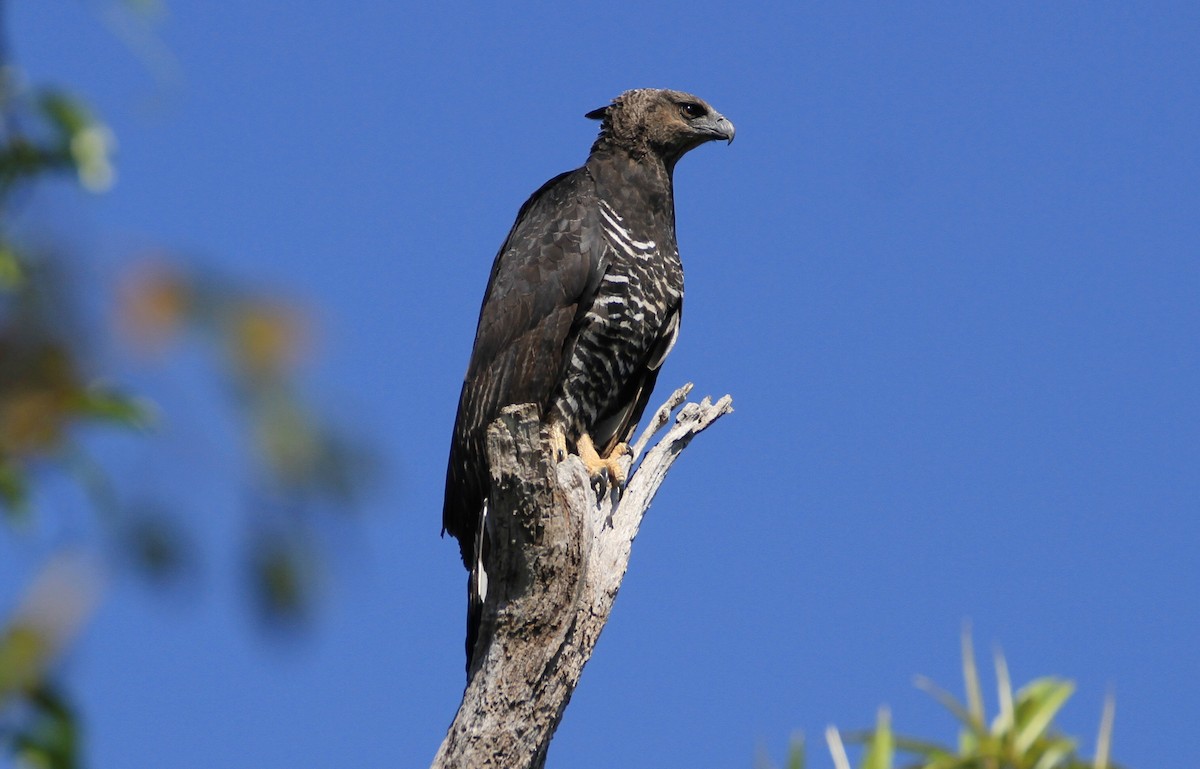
(48, 734)
(260, 342)
(60, 135)
(38, 726)
(1021, 735)
(55, 367)
(44, 390)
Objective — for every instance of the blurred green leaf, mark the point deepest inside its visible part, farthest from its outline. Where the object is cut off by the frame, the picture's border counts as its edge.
(881, 748)
(1037, 703)
(51, 738)
(12, 273)
(1004, 695)
(282, 576)
(14, 494)
(87, 143)
(287, 437)
(22, 655)
(1104, 736)
(91, 150)
(21, 159)
(795, 759)
(1055, 754)
(971, 679)
(111, 406)
(64, 112)
(926, 748)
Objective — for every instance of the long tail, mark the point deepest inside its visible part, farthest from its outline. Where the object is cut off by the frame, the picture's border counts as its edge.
(477, 584)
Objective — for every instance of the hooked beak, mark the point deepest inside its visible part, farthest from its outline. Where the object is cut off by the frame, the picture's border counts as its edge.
(717, 126)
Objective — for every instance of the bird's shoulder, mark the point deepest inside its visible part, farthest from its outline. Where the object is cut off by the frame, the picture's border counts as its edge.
(549, 261)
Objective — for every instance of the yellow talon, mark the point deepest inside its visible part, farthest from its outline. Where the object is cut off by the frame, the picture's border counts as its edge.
(596, 465)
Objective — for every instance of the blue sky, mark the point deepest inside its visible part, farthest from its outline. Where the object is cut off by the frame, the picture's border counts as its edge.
(948, 271)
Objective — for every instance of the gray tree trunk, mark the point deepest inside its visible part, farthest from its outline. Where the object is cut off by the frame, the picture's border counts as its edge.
(559, 555)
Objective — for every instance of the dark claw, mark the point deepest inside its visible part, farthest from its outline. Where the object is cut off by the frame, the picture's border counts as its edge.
(601, 482)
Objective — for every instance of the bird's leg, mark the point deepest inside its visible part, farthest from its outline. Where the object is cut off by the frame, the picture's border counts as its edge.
(620, 450)
(596, 465)
(558, 442)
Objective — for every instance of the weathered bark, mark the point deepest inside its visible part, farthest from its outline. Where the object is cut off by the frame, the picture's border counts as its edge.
(558, 560)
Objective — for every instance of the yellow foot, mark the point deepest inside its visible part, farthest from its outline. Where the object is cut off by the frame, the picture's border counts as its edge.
(620, 450)
(602, 468)
(558, 442)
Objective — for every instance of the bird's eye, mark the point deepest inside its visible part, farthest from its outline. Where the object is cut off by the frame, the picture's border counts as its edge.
(692, 110)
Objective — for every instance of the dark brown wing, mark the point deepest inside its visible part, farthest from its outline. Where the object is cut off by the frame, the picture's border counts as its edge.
(548, 267)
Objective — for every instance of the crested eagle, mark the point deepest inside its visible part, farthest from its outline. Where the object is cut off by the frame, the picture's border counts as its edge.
(581, 308)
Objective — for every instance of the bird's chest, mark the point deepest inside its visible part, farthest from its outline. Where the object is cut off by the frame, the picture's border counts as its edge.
(643, 277)
(635, 303)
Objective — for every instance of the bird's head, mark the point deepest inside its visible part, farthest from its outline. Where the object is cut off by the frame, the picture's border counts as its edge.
(659, 121)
